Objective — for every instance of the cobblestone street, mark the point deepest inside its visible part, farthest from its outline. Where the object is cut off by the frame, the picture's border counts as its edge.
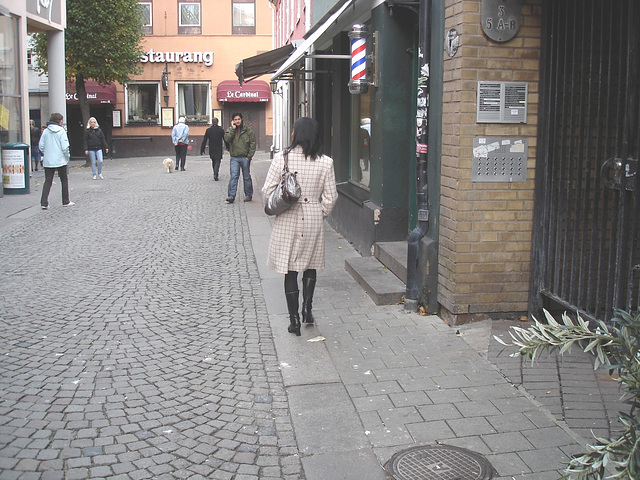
(135, 340)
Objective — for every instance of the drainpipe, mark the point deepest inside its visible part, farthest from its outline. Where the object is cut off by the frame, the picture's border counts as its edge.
(422, 194)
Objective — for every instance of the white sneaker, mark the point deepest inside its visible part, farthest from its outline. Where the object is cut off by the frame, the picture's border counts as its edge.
(94, 177)
(70, 204)
(44, 207)
(101, 177)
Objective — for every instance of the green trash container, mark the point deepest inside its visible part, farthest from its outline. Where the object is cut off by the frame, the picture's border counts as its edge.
(15, 167)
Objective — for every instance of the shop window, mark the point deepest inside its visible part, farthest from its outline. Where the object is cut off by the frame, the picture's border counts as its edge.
(146, 11)
(143, 103)
(189, 18)
(244, 17)
(361, 139)
(10, 85)
(194, 102)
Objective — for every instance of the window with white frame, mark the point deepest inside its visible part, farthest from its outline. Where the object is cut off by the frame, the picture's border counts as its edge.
(244, 17)
(194, 101)
(189, 17)
(189, 14)
(143, 103)
(145, 13)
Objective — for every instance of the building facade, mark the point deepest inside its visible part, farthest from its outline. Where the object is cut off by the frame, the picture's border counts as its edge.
(190, 49)
(17, 21)
(496, 135)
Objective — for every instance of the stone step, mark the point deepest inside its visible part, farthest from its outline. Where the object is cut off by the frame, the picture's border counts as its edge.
(379, 282)
(393, 255)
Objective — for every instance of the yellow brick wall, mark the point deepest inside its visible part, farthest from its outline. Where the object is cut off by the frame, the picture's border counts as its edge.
(485, 228)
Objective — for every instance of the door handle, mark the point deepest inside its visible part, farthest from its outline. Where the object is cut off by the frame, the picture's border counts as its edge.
(611, 173)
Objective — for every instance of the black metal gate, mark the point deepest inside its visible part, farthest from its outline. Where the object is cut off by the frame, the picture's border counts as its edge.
(586, 251)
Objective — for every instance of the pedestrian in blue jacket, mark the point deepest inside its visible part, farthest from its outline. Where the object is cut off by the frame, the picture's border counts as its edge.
(54, 145)
(180, 139)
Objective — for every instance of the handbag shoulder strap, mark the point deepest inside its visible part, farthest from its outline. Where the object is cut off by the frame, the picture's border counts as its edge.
(286, 161)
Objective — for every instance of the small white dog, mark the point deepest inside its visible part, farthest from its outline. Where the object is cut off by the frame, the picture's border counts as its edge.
(169, 164)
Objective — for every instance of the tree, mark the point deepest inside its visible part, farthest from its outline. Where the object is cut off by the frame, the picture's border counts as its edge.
(102, 43)
(615, 346)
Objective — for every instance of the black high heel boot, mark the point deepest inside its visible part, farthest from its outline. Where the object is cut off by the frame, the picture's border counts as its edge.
(294, 316)
(308, 286)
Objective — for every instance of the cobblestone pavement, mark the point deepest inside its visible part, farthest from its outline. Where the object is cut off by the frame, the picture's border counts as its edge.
(135, 342)
(142, 336)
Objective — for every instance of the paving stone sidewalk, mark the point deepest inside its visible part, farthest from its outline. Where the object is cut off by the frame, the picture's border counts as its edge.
(142, 336)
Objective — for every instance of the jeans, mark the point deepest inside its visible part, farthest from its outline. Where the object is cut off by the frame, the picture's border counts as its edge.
(95, 156)
(35, 157)
(48, 180)
(236, 164)
(181, 156)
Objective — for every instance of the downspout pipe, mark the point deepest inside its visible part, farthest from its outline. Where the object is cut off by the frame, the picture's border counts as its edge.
(422, 135)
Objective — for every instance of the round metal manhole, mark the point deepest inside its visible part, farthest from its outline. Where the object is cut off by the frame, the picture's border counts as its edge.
(439, 462)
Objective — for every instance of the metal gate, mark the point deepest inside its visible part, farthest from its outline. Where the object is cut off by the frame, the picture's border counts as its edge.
(586, 251)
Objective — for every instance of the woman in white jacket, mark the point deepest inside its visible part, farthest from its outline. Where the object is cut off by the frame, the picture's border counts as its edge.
(297, 237)
(54, 145)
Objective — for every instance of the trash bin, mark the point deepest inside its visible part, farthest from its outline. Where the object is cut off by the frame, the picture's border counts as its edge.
(15, 167)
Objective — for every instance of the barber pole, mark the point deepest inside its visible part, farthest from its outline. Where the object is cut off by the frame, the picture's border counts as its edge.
(358, 83)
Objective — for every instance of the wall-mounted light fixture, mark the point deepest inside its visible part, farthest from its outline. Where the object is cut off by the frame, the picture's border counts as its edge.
(165, 83)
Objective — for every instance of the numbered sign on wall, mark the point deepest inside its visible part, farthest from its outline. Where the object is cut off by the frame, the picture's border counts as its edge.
(501, 18)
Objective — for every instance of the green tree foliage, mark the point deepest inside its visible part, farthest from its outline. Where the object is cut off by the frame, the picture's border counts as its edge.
(102, 43)
(617, 347)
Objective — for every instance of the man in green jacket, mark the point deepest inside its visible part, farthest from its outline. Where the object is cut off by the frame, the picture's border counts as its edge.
(242, 147)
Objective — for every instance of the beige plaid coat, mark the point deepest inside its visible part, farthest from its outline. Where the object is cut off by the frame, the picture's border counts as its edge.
(297, 237)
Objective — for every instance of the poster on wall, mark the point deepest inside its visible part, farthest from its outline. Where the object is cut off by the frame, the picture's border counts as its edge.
(13, 174)
(167, 117)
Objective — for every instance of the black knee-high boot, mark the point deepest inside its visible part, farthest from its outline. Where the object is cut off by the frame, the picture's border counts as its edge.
(294, 316)
(308, 286)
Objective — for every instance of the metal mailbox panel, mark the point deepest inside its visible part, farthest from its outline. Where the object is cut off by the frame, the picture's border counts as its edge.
(499, 159)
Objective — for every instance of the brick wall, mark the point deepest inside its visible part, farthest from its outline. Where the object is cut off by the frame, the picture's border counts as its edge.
(485, 228)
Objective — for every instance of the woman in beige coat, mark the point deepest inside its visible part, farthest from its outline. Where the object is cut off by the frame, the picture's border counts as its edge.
(297, 237)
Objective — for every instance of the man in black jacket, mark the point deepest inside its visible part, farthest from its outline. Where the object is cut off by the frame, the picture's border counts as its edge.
(214, 135)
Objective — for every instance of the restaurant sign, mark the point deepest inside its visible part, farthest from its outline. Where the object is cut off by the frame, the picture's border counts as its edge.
(176, 57)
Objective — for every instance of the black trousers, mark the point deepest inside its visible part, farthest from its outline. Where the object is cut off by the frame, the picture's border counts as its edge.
(48, 180)
(215, 163)
(181, 156)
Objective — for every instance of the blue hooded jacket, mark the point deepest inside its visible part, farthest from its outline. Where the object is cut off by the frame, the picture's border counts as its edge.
(54, 145)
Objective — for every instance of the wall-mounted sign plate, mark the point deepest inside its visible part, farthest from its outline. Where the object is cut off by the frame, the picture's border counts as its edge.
(501, 19)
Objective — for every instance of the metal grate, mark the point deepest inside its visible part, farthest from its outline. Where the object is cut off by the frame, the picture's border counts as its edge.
(439, 462)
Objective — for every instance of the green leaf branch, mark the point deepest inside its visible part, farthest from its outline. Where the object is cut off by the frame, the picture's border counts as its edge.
(615, 346)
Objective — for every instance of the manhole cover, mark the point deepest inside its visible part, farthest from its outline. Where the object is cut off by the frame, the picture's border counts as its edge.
(439, 462)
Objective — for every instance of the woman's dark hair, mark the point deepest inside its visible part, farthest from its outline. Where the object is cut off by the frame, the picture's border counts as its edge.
(307, 135)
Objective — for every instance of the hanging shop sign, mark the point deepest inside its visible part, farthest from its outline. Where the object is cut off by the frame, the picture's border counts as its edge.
(501, 19)
(176, 57)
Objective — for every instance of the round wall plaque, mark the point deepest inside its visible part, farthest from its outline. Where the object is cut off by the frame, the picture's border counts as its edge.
(501, 18)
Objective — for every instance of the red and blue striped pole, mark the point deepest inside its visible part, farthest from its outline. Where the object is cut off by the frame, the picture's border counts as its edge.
(358, 83)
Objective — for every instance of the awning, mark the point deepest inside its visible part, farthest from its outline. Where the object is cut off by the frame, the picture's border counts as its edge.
(256, 91)
(96, 93)
(308, 43)
(261, 64)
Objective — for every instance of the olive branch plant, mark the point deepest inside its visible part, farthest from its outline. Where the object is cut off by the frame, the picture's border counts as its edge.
(615, 346)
